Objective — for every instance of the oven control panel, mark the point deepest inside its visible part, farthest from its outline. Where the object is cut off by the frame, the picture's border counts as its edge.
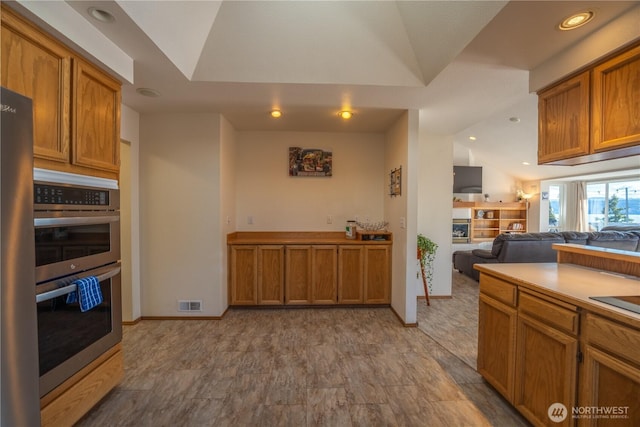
(47, 194)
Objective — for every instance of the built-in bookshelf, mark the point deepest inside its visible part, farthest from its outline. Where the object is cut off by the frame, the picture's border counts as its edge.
(490, 219)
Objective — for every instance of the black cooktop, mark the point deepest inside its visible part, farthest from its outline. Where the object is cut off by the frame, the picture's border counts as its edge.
(631, 303)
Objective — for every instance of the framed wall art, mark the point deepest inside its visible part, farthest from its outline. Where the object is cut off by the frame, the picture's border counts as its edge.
(310, 162)
(395, 182)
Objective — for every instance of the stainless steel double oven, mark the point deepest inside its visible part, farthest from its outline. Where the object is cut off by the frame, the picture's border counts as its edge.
(77, 234)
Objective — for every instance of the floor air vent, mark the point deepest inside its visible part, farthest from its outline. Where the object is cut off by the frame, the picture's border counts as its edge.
(184, 305)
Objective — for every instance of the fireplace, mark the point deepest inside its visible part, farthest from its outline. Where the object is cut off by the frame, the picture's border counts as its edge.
(460, 230)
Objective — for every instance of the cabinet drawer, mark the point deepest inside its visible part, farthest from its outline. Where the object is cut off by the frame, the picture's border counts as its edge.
(498, 289)
(613, 337)
(549, 313)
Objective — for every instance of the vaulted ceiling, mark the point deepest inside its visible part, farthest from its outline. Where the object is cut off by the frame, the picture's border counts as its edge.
(465, 64)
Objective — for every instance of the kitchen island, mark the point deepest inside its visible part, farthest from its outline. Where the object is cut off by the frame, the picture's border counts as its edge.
(557, 355)
(309, 268)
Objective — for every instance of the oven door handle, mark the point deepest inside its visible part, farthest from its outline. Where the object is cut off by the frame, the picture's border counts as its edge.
(46, 296)
(66, 221)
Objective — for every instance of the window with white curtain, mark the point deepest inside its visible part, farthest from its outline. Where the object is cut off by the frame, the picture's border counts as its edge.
(556, 208)
(613, 203)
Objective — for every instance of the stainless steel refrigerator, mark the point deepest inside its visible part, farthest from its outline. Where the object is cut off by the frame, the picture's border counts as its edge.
(19, 352)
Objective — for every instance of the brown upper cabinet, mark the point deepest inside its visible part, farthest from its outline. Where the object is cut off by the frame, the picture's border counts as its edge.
(96, 119)
(616, 102)
(563, 120)
(594, 115)
(39, 68)
(76, 106)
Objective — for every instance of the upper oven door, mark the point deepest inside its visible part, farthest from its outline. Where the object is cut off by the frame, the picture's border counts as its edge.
(71, 242)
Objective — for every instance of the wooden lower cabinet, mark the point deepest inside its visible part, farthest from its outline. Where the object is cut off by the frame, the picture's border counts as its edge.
(298, 274)
(546, 357)
(306, 274)
(497, 344)
(610, 374)
(243, 277)
(311, 273)
(377, 274)
(546, 367)
(256, 275)
(351, 274)
(324, 274)
(528, 349)
(609, 383)
(270, 275)
(537, 350)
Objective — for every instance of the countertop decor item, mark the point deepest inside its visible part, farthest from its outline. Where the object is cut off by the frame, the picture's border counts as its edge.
(426, 255)
(372, 226)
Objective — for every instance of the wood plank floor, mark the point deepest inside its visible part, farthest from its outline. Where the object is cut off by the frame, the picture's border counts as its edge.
(305, 367)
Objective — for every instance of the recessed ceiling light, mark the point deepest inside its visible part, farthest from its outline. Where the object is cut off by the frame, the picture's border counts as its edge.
(276, 113)
(526, 163)
(514, 119)
(576, 20)
(472, 138)
(101, 15)
(145, 91)
(345, 114)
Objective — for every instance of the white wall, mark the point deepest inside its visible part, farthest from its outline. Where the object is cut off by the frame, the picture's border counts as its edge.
(401, 151)
(435, 181)
(276, 201)
(500, 186)
(227, 225)
(538, 211)
(180, 213)
(130, 213)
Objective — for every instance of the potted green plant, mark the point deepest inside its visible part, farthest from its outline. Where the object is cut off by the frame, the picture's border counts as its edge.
(426, 255)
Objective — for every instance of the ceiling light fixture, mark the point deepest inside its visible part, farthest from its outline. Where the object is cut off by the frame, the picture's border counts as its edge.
(345, 114)
(276, 114)
(526, 163)
(145, 91)
(472, 138)
(101, 15)
(576, 20)
(514, 119)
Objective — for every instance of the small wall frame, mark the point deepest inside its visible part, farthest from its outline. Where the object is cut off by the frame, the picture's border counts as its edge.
(395, 182)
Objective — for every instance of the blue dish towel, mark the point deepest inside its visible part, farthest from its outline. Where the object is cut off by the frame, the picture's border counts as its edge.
(88, 294)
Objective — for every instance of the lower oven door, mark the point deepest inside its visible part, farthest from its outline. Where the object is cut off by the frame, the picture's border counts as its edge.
(68, 339)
